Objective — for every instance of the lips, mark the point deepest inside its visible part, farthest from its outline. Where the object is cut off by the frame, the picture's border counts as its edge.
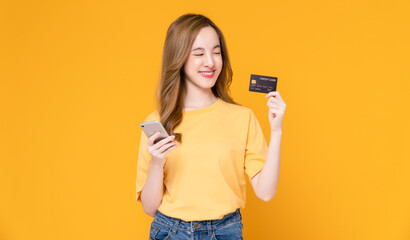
(207, 74)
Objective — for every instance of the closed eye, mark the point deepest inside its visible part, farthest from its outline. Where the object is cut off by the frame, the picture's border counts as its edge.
(203, 54)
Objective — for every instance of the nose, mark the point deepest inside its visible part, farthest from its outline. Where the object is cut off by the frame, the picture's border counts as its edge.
(209, 61)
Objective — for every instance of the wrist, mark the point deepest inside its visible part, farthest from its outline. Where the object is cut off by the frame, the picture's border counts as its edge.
(157, 163)
(276, 132)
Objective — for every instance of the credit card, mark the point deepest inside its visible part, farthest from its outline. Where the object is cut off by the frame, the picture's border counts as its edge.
(262, 84)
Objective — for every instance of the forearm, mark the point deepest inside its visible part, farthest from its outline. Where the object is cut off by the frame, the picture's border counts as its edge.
(269, 175)
(151, 194)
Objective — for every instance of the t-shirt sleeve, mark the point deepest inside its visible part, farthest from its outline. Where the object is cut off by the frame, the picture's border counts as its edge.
(256, 148)
(144, 159)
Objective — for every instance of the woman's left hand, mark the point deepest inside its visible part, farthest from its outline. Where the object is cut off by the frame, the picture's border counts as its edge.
(277, 108)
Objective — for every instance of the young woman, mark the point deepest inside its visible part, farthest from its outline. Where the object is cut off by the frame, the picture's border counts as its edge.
(193, 182)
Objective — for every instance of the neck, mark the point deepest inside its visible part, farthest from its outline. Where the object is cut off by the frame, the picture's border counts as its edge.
(198, 98)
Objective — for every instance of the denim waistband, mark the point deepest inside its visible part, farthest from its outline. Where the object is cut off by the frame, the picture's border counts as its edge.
(197, 225)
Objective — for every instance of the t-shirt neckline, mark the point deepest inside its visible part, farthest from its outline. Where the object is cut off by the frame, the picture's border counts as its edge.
(202, 110)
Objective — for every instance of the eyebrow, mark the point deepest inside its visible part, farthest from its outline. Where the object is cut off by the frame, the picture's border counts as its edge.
(199, 48)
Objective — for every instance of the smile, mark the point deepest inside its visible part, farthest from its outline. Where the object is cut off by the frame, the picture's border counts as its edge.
(207, 74)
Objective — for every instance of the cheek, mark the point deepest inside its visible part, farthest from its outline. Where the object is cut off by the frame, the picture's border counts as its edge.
(187, 64)
(192, 67)
(189, 67)
(219, 61)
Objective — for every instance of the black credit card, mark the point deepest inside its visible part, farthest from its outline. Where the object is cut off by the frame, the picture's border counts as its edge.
(262, 84)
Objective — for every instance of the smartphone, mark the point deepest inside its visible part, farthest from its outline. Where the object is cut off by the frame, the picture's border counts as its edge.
(152, 127)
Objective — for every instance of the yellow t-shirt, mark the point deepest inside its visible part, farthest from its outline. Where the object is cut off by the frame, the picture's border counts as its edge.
(204, 176)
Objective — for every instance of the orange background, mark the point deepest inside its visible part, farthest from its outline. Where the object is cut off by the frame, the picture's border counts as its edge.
(77, 78)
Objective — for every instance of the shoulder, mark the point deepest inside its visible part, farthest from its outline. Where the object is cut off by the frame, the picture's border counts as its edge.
(241, 115)
(153, 116)
(238, 109)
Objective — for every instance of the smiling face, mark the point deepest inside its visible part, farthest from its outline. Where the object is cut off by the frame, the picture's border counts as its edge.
(204, 63)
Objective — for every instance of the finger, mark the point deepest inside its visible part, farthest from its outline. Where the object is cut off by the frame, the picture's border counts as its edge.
(152, 138)
(163, 141)
(274, 104)
(278, 105)
(279, 96)
(168, 150)
(276, 111)
(165, 149)
(274, 94)
(275, 100)
(271, 94)
(166, 146)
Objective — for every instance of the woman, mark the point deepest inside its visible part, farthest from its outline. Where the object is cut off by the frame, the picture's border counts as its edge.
(213, 141)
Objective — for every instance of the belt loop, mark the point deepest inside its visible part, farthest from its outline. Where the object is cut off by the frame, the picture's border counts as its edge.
(174, 228)
(209, 227)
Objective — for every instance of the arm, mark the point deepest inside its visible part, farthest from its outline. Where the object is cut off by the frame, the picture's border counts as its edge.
(152, 187)
(152, 192)
(266, 181)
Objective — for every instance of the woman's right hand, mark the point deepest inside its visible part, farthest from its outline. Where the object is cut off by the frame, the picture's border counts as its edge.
(160, 149)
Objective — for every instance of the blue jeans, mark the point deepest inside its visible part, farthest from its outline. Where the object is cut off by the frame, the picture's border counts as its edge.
(228, 227)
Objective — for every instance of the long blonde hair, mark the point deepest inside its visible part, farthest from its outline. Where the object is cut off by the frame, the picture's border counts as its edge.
(180, 36)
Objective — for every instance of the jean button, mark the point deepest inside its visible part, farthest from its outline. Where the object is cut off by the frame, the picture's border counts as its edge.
(195, 225)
